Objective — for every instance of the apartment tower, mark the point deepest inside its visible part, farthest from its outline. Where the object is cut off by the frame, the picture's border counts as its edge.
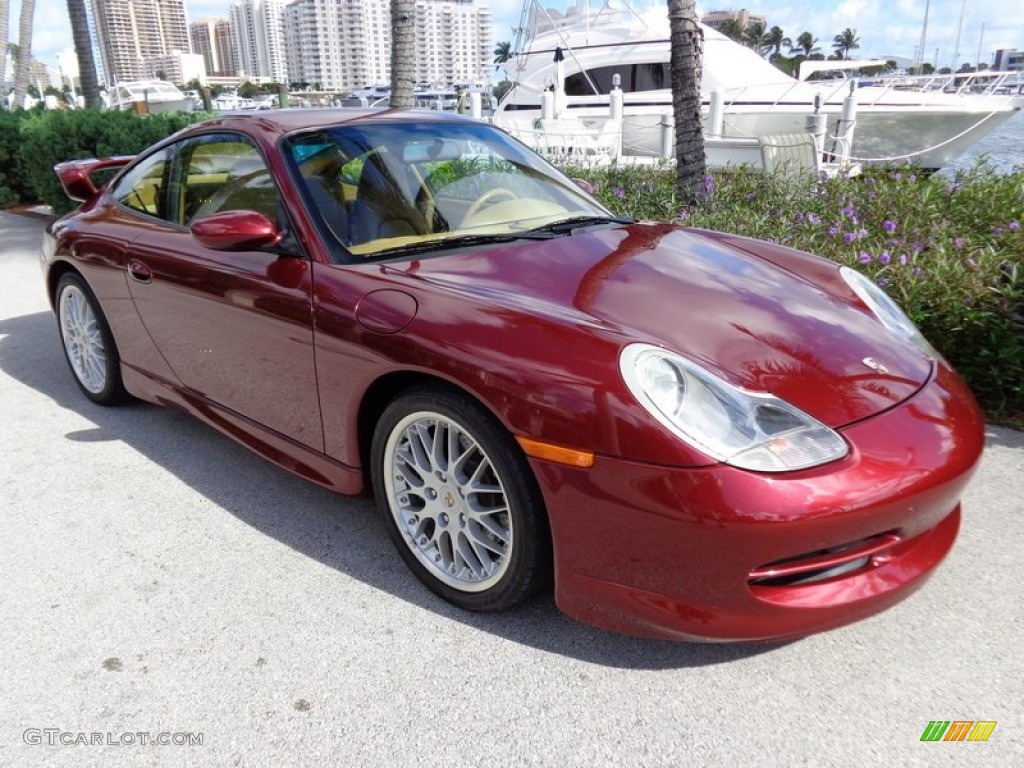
(212, 39)
(258, 29)
(346, 44)
(133, 34)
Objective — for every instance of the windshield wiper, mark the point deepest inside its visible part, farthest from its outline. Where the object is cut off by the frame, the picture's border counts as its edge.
(463, 241)
(564, 226)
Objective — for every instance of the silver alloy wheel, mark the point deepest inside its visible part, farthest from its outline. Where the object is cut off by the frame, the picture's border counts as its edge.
(448, 501)
(83, 339)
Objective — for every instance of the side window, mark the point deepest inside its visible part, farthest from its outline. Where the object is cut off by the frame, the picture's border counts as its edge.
(651, 77)
(638, 77)
(142, 188)
(578, 85)
(225, 173)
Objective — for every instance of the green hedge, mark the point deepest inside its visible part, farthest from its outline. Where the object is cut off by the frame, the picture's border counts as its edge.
(32, 142)
(13, 188)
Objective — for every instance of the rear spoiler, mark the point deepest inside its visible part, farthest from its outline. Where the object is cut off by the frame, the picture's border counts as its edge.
(76, 175)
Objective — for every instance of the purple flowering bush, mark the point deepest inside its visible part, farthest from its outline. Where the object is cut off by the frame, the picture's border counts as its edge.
(950, 248)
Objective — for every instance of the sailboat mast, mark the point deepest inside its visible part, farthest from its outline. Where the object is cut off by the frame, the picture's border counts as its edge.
(924, 39)
(959, 28)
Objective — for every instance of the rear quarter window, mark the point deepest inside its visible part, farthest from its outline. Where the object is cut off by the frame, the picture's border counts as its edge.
(142, 188)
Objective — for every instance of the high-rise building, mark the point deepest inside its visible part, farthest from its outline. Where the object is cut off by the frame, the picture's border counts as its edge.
(67, 67)
(258, 29)
(38, 74)
(718, 20)
(132, 34)
(338, 44)
(212, 39)
(453, 41)
(180, 67)
(346, 44)
(1008, 60)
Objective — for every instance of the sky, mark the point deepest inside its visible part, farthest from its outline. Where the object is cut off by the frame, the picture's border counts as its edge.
(886, 29)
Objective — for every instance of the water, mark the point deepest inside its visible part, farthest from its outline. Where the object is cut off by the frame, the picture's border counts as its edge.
(1003, 148)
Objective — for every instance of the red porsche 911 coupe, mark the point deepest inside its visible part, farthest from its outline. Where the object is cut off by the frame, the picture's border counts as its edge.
(692, 435)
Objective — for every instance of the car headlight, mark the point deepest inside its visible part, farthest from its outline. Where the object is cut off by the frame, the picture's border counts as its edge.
(886, 310)
(749, 430)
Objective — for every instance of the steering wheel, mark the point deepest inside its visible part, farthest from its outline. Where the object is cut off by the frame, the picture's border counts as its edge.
(487, 197)
(213, 205)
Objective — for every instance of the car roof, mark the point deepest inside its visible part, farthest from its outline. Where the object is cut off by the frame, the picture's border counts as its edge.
(282, 121)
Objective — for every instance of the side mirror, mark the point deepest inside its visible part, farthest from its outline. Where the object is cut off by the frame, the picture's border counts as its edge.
(235, 230)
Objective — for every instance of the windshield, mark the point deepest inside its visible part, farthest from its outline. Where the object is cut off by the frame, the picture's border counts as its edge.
(391, 187)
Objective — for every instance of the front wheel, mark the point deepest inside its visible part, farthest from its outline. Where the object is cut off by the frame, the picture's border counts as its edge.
(459, 501)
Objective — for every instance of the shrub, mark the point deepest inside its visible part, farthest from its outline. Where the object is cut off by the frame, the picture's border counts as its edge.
(13, 186)
(52, 137)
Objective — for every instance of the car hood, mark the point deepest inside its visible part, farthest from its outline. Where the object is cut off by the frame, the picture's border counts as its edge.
(751, 322)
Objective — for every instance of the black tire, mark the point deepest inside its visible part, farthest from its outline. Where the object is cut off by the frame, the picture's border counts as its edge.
(81, 322)
(493, 551)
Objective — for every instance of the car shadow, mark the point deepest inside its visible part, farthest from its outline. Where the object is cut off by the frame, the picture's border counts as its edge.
(342, 533)
(1004, 437)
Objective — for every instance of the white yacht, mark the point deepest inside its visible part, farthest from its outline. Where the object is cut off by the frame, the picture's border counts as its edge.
(230, 101)
(926, 127)
(148, 96)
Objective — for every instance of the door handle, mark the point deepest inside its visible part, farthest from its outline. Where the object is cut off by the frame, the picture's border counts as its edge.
(138, 270)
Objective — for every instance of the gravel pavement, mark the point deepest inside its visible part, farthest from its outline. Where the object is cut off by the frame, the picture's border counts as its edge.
(157, 578)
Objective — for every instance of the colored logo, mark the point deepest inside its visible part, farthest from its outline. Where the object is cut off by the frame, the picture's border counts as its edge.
(958, 730)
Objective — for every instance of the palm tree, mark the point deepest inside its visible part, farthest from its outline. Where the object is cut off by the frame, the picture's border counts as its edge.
(3, 41)
(756, 37)
(24, 62)
(845, 42)
(732, 29)
(806, 43)
(403, 53)
(502, 53)
(687, 43)
(83, 50)
(777, 40)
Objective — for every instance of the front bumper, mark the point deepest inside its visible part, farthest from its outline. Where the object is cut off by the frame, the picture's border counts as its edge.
(690, 554)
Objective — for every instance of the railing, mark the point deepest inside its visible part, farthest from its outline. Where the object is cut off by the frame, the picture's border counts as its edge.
(982, 83)
(559, 136)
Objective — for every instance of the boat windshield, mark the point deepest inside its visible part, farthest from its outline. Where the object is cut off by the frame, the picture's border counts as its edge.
(164, 89)
(389, 187)
(149, 88)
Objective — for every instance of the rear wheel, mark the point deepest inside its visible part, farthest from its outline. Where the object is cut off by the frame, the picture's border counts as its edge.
(88, 344)
(460, 501)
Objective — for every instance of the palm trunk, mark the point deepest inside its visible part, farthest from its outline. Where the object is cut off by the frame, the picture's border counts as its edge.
(24, 63)
(83, 50)
(687, 42)
(4, 15)
(403, 53)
